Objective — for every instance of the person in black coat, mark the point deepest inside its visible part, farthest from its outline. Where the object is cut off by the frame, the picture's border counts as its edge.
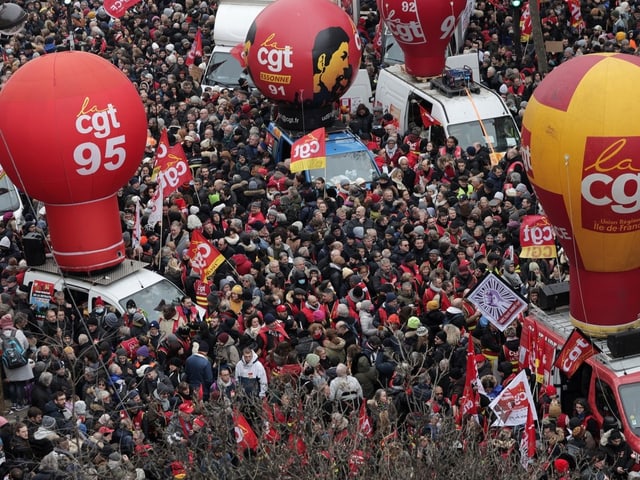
(41, 392)
(362, 122)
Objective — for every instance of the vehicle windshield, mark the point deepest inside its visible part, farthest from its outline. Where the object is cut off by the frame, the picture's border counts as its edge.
(351, 165)
(149, 297)
(630, 397)
(502, 133)
(9, 200)
(224, 70)
(393, 54)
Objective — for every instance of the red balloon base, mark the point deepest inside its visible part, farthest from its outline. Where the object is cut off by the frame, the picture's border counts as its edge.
(603, 303)
(424, 66)
(86, 237)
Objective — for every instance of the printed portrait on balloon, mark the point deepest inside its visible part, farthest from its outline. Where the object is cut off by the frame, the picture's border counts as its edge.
(332, 71)
(304, 65)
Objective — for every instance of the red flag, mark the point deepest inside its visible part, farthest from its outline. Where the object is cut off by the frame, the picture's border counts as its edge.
(309, 152)
(377, 40)
(527, 348)
(196, 49)
(528, 440)
(205, 258)
(172, 163)
(364, 422)
(575, 20)
(200, 393)
(513, 403)
(238, 52)
(574, 352)
(526, 27)
(245, 436)
(470, 397)
(270, 433)
(117, 8)
(427, 119)
(537, 237)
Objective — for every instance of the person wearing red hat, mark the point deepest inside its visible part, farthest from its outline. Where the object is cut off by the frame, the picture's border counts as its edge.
(463, 281)
(561, 467)
(180, 428)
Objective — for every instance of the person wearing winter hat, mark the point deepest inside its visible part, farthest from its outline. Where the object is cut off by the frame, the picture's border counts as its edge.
(413, 323)
(142, 353)
(365, 315)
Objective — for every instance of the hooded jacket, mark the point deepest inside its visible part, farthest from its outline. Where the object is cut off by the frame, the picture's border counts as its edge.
(251, 376)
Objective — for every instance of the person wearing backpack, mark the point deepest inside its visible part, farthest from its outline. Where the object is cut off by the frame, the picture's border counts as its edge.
(15, 362)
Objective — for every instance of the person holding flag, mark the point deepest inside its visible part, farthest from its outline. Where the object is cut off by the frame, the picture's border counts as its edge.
(196, 49)
(205, 258)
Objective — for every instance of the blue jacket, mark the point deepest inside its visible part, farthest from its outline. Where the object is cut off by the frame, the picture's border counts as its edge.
(198, 371)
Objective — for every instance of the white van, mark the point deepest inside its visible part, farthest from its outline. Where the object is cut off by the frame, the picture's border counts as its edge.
(477, 114)
(10, 200)
(128, 281)
(233, 20)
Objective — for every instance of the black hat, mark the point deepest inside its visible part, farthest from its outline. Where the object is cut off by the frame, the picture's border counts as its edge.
(615, 434)
(203, 347)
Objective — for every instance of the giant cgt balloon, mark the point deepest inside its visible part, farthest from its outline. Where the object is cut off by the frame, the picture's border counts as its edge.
(582, 152)
(303, 55)
(73, 131)
(423, 29)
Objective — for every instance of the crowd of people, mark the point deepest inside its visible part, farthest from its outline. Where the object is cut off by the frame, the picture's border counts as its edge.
(349, 298)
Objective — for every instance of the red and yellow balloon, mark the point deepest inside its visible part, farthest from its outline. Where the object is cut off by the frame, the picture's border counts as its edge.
(75, 131)
(582, 156)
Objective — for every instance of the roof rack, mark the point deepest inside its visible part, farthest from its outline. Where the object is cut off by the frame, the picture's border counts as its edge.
(101, 277)
(455, 81)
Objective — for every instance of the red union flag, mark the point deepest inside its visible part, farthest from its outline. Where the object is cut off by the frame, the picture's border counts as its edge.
(246, 438)
(172, 163)
(117, 8)
(526, 27)
(309, 152)
(576, 20)
(470, 396)
(364, 422)
(205, 258)
(427, 119)
(196, 49)
(528, 441)
(513, 403)
(574, 352)
(537, 237)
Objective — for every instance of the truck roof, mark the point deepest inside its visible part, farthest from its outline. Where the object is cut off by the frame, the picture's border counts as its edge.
(459, 109)
(49, 271)
(233, 20)
(559, 321)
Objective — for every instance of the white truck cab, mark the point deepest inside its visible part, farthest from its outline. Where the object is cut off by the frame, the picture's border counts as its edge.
(128, 281)
(233, 20)
(471, 114)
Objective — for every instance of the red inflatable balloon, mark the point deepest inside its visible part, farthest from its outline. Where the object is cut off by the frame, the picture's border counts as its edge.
(305, 63)
(423, 29)
(89, 137)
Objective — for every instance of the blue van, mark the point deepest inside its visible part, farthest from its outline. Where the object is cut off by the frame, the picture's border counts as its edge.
(347, 156)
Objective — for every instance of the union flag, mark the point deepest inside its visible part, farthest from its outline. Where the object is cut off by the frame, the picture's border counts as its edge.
(205, 258)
